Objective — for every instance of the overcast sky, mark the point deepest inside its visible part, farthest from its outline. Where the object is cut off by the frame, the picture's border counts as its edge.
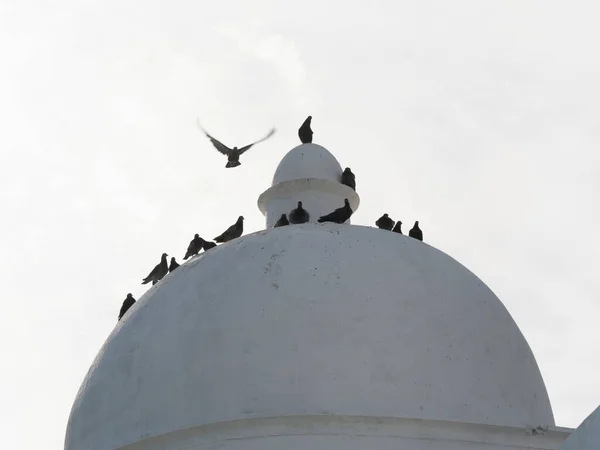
(480, 119)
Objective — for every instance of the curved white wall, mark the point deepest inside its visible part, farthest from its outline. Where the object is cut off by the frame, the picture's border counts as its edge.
(310, 320)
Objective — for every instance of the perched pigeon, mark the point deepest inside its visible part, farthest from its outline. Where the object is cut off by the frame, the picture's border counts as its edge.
(340, 215)
(194, 247)
(161, 269)
(299, 215)
(385, 223)
(233, 154)
(173, 265)
(234, 231)
(282, 221)
(127, 303)
(305, 133)
(415, 232)
(397, 228)
(208, 245)
(348, 178)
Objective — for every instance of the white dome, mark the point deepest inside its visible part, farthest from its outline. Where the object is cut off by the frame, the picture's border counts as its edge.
(308, 161)
(310, 174)
(309, 320)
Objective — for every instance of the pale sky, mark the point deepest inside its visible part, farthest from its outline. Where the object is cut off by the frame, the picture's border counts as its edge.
(477, 118)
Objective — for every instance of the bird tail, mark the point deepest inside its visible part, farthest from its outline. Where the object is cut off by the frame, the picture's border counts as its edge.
(146, 280)
(232, 164)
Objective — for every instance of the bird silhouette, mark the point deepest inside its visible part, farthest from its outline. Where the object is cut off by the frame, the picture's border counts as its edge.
(348, 178)
(398, 227)
(340, 215)
(194, 247)
(385, 223)
(208, 245)
(233, 154)
(159, 271)
(233, 232)
(415, 232)
(127, 303)
(173, 265)
(305, 133)
(298, 215)
(282, 221)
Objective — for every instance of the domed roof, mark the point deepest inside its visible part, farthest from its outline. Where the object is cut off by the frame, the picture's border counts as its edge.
(310, 319)
(308, 161)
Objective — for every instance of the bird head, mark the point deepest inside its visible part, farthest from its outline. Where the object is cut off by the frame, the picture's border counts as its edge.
(241, 219)
(416, 223)
(346, 202)
(196, 236)
(299, 204)
(283, 216)
(385, 215)
(172, 259)
(129, 295)
(164, 256)
(347, 170)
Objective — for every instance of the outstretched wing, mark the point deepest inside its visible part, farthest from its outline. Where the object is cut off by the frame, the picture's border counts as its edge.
(218, 145)
(247, 147)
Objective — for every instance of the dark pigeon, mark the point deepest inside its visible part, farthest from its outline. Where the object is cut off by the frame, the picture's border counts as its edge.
(173, 265)
(161, 269)
(233, 154)
(385, 223)
(348, 178)
(305, 133)
(282, 221)
(340, 215)
(233, 232)
(299, 215)
(208, 245)
(398, 228)
(127, 303)
(194, 247)
(415, 232)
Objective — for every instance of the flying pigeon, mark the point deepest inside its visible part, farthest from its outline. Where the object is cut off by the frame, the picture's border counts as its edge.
(348, 178)
(173, 265)
(305, 133)
(208, 245)
(340, 215)
(299, 214)
(233, 154)
(161, 269)
(127, 303)
(194, 247)
(385, 223)
(282, 221)
(234, 231)
(415, 232)
(397, 228)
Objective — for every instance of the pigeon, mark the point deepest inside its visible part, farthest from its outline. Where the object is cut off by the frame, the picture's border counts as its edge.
(194, 247)
(340, 215)
(161, 269)
(234, 231)
(208, 245)
(348, 178)
(397, 228)
(127, 303)
(305, 133)
(299, 215)
(282, 221)
(233, 154)
(173, 265)
(385, 223)
(415, 232)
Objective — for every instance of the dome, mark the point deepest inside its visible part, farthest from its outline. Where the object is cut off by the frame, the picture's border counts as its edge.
(312, 319)
(310, 174)
(308, 161)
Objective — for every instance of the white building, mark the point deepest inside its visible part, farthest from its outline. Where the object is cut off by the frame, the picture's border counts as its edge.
(316, 336)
